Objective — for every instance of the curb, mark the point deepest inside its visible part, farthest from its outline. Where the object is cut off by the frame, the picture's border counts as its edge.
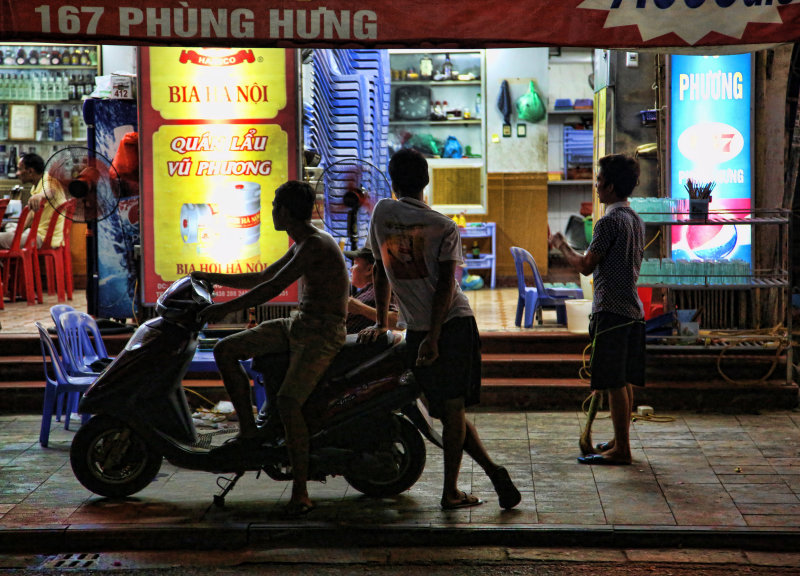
(236, 536)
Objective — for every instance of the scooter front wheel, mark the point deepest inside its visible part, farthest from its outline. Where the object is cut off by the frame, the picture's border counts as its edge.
(112, 460)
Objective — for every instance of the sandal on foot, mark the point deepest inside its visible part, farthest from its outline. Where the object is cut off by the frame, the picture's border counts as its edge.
(297, 509)
(507, 493)
(603, 446)
(467, 501)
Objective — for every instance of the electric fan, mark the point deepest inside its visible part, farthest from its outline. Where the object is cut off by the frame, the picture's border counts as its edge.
(87, 177)
(349, 185)
(91, 180)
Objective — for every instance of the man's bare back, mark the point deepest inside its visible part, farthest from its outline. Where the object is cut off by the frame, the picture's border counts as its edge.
(325, 281)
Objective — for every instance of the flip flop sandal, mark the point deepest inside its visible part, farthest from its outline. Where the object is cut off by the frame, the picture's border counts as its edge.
(603, 446)
(297, 509)
(600, 460)
(468, 501)
(507, 493)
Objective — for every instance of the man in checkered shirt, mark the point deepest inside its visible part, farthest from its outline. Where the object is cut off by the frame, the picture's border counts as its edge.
(617, 325)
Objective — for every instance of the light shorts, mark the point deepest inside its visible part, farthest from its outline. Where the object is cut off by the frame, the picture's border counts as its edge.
(312, 343)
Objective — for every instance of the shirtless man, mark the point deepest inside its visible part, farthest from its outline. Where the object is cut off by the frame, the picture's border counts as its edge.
(313, 335)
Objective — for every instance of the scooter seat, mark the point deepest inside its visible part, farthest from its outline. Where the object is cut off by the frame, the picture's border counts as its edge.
(273, 366)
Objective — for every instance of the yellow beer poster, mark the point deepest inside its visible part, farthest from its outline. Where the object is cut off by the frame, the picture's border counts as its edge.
(221, 125)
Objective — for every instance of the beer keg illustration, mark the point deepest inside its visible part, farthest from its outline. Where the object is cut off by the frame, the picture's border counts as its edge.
(228, 227)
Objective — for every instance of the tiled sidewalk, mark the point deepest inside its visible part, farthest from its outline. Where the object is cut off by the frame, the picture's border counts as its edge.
(694, 472)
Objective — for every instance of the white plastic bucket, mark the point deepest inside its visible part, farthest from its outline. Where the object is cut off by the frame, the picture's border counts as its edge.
(578, 312)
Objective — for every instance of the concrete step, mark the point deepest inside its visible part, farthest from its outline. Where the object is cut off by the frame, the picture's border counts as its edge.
(530, 394)
(707, 396)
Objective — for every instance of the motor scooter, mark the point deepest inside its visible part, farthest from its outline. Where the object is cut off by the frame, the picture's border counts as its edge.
(365, 417)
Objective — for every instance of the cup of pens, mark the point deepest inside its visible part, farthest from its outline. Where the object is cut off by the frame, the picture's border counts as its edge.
(699, 198)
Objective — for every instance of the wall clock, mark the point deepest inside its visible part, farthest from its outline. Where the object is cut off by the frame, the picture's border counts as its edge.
(412, 103)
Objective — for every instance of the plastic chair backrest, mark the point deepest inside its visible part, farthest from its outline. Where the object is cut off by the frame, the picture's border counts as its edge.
(55, 313)
(3, 205)
(81, 349)
(15, 242)
(49, 350)
(537, 278)
(66, 209)
(30, 241)
(521, 257)
(518, 264)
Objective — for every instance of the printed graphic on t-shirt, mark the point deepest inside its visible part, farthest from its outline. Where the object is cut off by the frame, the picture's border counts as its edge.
(404, 254)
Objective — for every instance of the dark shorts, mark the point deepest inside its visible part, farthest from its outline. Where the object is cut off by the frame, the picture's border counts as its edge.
(618, 351)
(457, 371)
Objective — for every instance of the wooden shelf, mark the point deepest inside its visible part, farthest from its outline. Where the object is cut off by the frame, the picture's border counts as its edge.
(435, 122)
(570, 183)
(572, 112)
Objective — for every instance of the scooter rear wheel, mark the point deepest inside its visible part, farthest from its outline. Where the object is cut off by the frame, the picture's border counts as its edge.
(408, 451)
(111, 460)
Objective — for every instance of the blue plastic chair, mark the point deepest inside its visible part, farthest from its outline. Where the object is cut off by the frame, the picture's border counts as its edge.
(83, 344)
(58, 386)
(532, 299)
(55, 313)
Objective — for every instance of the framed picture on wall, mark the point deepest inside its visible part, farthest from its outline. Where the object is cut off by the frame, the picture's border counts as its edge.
(22, 122)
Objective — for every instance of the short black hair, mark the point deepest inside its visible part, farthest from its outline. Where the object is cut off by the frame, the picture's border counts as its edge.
(298, 197)
(408, 170)
(33, 161)
(622, 171)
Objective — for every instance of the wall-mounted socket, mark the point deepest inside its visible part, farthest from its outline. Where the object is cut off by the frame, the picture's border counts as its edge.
(632, 59)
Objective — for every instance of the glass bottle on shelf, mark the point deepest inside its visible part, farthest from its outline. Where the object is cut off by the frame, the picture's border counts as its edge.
(66, 59)
(41, 124)
(58, 129)
(22, 57)
(3, 160)
(33, 57)
(74, 57)
(447, 68)
(93, 57)
(85, 57)
(75, 122)
(426, 68)
(51, 124)
(55, 58)
(66, 127)
(36, 85)
(8, 58)
(3, 122)
(44, 57)
(88, 85)
(73, 88)
(11, 165)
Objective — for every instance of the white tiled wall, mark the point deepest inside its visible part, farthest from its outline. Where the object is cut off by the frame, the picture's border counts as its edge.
(568, 78)
(563, 201)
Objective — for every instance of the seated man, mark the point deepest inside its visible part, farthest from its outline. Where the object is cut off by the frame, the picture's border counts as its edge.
(30, 170)
(361, 311)
(312, 336)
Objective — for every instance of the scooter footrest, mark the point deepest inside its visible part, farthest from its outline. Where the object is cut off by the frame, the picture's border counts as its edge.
(203, 441)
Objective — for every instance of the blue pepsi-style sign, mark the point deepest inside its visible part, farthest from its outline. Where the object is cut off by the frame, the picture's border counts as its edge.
(710, 142)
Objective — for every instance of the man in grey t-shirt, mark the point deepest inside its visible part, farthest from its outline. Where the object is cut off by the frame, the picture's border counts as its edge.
(416, 251)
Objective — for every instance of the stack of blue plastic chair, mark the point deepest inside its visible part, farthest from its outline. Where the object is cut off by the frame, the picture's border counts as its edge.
(577, 148)
(532, 299)
(58, 385)
(83, 350)
(81, 345)
(347, 122)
